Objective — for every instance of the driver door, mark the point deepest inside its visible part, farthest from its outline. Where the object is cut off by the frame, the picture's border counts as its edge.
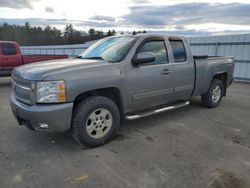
(155, 79)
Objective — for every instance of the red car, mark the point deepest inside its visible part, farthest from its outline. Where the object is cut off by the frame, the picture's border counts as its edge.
(11, 57)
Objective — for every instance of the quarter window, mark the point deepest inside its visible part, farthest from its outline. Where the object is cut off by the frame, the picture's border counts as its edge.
(8, 49)
(158, 48)
(178, 50)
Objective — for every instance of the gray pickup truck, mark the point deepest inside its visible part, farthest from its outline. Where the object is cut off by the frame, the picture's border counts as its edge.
(122, 77)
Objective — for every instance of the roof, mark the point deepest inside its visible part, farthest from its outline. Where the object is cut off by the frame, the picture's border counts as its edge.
(4, 41)
(153, 35)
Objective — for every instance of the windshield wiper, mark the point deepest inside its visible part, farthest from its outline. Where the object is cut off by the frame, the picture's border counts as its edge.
(97, 57)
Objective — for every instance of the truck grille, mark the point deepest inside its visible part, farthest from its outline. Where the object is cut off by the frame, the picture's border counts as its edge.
(22, 90)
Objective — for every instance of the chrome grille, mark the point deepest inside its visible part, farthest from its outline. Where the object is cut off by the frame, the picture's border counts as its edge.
(22, 90)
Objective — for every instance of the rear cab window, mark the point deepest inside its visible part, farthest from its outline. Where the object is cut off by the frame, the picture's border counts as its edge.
(158, 48)
(178, 50)
(8, 49)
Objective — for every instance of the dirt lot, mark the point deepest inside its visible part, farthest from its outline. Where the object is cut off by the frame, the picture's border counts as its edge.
(188, 147)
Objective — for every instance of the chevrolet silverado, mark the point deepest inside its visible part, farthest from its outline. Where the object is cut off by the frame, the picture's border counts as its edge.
(122, 77)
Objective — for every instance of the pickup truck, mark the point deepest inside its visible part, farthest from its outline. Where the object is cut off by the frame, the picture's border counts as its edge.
(11, 57)
(117, 78)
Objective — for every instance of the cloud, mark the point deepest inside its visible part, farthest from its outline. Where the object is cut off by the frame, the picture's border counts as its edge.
(49, 9)
(95, 24)
(186, 32)
(17, 4)
(102, 18)
(53, 22)
(85, 24)
(177, 19)
(35, 21)
(188, 13)
(140, 1)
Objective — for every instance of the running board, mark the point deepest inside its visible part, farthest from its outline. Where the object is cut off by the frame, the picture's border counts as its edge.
(156, 111)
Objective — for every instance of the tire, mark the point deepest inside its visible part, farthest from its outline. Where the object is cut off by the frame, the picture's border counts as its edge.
(212, 99)
(89, 131)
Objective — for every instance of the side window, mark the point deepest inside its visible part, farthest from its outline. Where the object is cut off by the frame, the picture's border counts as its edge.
(158, 48)
(8, 49)
(178, 50)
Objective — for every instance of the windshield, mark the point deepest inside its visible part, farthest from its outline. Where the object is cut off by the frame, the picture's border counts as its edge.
(111, 49)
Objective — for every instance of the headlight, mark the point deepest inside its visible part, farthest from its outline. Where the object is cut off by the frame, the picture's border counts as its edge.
(50, 92)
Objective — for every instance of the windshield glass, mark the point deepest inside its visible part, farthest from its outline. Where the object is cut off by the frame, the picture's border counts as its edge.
(110, 49)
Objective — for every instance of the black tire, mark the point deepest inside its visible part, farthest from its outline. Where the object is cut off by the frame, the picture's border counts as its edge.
(207, 99)
(82, 113)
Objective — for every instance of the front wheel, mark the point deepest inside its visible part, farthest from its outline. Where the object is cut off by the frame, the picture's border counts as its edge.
(95, 121)
(214, 94)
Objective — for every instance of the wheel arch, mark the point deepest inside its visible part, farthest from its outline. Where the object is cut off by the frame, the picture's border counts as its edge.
(112, 93)
(222, 76)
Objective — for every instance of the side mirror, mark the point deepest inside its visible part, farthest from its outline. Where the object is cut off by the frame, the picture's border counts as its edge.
(143, 57)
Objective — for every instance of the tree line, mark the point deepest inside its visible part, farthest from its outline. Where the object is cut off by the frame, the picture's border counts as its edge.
(27, 35)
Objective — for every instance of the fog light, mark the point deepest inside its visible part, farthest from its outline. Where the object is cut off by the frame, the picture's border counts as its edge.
(43, 125)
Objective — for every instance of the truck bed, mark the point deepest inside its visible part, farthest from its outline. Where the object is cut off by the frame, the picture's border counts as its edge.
(11, 57)
(205, 65)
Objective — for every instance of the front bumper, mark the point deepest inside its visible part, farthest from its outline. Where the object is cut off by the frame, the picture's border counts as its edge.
(56, 116)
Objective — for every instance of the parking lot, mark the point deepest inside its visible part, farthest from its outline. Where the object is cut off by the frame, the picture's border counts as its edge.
(189, 147)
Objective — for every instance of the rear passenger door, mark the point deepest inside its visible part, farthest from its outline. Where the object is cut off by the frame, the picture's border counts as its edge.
(11, 57)
(184, 70)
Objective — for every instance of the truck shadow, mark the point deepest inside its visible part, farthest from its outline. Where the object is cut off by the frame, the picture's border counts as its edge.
(127, 128)
(5, 85)
(47, 141)
(196, 102)
(64, 141)
(5, 82)
(143, 126)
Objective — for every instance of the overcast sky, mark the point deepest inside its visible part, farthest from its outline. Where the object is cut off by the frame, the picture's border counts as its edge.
(189, 17)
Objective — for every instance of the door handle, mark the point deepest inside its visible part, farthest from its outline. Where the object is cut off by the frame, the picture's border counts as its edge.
(6, 59)
(166, 72)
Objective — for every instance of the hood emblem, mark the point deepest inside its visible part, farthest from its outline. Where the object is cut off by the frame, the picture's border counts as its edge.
(33, 86)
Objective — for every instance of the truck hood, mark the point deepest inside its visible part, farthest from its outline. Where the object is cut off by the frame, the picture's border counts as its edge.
(40, 70)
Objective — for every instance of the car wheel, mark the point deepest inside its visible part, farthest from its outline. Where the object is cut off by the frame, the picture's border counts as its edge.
(214, 94)
(95, 121)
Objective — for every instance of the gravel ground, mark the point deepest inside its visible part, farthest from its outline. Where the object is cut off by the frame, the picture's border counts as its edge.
(188, 147)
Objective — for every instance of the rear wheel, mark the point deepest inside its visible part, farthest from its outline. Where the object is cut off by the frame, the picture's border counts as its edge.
(214, 94)
(95, 121)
